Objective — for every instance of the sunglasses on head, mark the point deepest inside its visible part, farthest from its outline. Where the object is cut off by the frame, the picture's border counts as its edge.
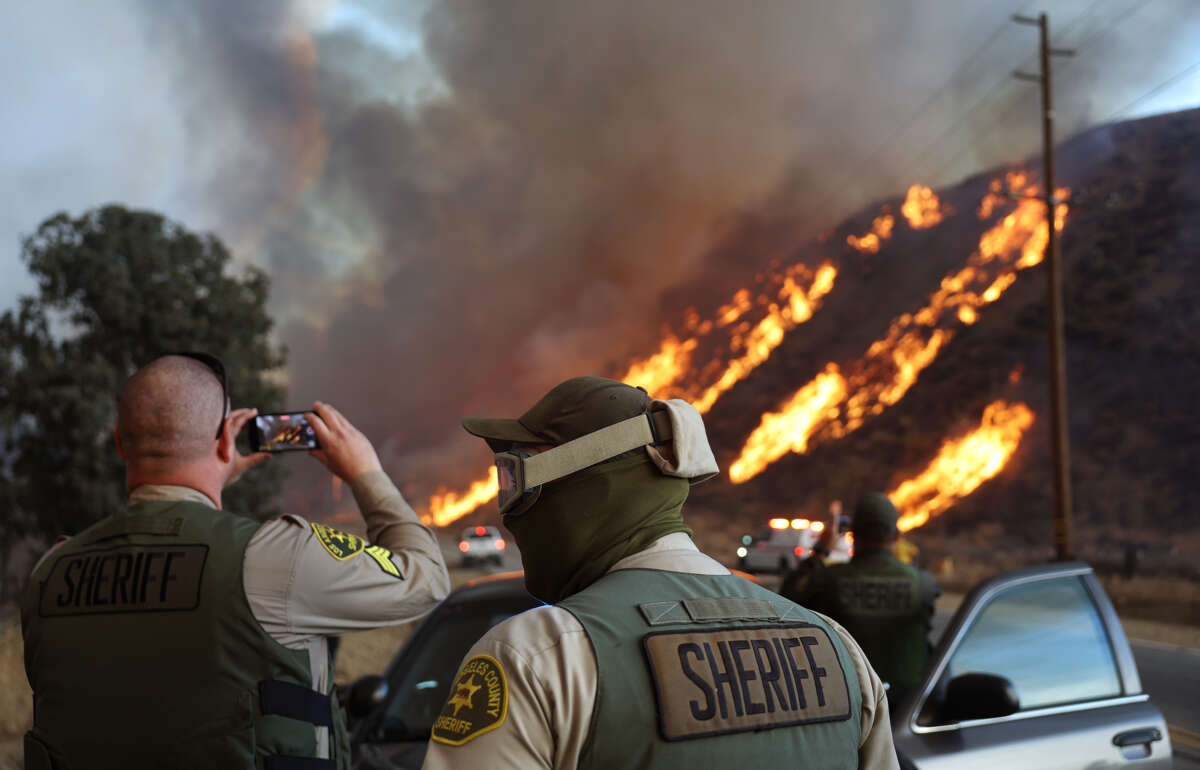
(218, 369)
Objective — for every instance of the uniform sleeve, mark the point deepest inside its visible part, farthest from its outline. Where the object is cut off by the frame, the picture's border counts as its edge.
(815, 587)
(875, 748)
(799, 584)
(304, 578)
(549, 671)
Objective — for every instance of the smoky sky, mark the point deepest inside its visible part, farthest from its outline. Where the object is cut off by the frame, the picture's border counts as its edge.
(583, 159)
(461, 203)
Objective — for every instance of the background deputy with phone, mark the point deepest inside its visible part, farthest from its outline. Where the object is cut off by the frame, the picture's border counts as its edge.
(175, 634)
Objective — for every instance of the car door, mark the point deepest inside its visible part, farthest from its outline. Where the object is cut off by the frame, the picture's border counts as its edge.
(1033, 672)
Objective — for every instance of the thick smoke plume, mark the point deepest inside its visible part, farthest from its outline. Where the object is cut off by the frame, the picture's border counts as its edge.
(459, 216)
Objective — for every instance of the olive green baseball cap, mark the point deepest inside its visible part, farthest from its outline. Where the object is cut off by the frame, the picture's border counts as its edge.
(874, 518)
(571, 409)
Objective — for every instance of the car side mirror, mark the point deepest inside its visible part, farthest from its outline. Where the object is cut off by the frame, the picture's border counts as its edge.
(979, 696)
(365, 694)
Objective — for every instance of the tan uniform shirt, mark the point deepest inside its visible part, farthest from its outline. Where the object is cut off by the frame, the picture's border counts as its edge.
(301, 593)
(551, 673)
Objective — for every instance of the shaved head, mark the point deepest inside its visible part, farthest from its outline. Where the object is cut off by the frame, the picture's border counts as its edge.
(169, 410)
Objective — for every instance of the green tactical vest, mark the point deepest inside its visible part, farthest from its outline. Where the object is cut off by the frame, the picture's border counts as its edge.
(704, 671)
(143, 652)
(885, 604)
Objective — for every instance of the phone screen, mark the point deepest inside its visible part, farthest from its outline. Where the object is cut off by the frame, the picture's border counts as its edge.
(283, 432)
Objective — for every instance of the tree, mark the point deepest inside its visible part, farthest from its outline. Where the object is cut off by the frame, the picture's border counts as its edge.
(116, 289)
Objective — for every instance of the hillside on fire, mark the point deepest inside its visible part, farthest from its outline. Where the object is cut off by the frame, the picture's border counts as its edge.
(906, 350)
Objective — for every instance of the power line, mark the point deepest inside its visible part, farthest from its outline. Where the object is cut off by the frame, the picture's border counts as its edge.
(957, 72)
(998, 122)
(1004, 26)
(1133, 8)
(1001, 29)
(1156, 90)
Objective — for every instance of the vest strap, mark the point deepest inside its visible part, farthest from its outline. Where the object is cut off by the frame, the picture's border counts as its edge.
(295, 702)
(281, 762)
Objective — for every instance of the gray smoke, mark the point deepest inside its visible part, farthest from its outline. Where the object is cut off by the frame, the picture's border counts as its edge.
(460, 217)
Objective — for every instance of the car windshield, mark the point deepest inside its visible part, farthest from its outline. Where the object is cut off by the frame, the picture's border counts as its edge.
(420, 684)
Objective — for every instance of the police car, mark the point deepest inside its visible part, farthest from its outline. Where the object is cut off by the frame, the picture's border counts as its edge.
(1033, 671)
(786, 543)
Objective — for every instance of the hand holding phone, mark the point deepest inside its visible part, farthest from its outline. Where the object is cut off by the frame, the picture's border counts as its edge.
(282, 432)
(242, 463)
(345, 451)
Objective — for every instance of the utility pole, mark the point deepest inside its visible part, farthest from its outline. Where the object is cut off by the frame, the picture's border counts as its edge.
(1063, 539)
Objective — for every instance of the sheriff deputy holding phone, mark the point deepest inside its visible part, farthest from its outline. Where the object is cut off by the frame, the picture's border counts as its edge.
(176, 634)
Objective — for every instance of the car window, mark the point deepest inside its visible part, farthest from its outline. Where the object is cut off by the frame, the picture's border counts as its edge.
(1047, 639)
(419, 687)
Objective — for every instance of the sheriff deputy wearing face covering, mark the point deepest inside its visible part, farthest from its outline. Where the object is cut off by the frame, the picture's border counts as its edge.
(888, 605)
(175, 634)
(651, 654)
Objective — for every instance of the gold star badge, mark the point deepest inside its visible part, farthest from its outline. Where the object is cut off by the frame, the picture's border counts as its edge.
(463, 692)
(477, 704)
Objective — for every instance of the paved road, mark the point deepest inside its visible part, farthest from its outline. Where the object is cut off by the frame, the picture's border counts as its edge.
(1171, 675)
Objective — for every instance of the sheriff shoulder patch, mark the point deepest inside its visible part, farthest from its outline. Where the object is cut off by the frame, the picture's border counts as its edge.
(341, 545)
(478, 702)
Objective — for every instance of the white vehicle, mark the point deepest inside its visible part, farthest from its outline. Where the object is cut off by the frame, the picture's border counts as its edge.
(786, 543)
(479, 544)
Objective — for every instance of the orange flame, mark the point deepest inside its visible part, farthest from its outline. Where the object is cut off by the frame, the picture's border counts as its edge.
(892, 365)
(795, 308)
(881, 230)
(992, 200)
(447, 507)
(832, 404)
(658, 372)
(737, 307)
(662, 373)
(922, 208)
(962, 464)
(788, 430)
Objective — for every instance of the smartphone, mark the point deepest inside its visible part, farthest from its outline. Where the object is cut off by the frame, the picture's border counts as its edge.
(282, 432)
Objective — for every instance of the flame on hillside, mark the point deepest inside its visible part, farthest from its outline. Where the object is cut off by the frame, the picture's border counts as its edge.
(922, 208)
(881, 230)
(669, 373)
(447, 507)
(789, 429)
(838, 400)
(962, 464)
(658, 372)
(797, 296)
(994, 198)
(892, 365)
(796, 306)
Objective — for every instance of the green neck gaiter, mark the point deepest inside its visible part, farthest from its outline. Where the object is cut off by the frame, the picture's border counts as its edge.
(585, 523)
